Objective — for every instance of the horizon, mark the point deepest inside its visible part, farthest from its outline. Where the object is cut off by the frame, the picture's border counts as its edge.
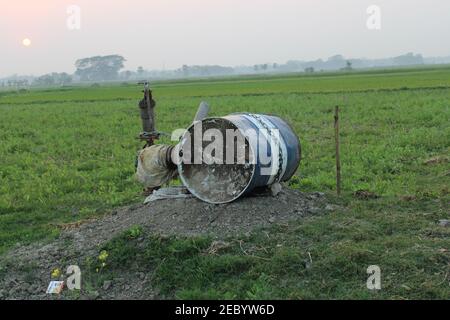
(324, 59)
(235, 66)
(165, 36)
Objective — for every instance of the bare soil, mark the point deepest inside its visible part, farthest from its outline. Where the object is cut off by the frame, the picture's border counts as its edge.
(28, 268)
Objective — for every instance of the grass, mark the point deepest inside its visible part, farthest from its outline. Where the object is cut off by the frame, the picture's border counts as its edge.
(68, 154)
(322, 257)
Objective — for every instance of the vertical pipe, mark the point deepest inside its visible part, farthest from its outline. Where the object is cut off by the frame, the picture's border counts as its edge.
(146, 124)
(202, 112)
(150, 105)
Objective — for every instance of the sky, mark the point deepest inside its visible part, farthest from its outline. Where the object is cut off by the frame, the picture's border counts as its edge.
(165, 34)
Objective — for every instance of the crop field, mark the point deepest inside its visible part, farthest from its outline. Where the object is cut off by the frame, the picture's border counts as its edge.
(67, 155)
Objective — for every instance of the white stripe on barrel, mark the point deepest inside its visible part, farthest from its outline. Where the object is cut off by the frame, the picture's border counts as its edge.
(261, 122)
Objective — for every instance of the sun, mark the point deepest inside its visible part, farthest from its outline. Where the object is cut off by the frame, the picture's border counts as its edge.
(26, 42)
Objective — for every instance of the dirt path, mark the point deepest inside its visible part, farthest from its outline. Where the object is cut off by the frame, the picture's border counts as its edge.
(28, 269)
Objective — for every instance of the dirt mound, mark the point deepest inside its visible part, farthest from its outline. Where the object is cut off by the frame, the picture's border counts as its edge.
(28, 268)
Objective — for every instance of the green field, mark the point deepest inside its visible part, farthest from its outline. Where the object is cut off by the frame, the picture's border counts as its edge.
(68, 154)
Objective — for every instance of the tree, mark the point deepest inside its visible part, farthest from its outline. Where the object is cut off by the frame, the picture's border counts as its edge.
(99, 67)
(348, 66)
(408, 59)
(64, 79)
(185, 70)
(140, 71)
(126, 74)
(52, 79)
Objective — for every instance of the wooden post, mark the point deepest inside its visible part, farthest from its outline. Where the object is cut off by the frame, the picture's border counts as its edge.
(338, 158)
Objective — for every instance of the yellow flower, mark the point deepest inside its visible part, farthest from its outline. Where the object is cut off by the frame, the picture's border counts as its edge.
(103, 256)
(56, 273)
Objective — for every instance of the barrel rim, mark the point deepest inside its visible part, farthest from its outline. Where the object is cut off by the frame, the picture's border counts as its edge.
(180, 165)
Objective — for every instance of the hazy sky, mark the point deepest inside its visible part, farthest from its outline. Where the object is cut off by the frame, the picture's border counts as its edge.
(169, 33)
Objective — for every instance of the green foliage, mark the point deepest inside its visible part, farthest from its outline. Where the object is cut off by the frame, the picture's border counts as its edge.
(134, 232)
(68, 154)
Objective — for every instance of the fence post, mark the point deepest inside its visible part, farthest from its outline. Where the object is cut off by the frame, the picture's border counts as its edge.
(338, 157)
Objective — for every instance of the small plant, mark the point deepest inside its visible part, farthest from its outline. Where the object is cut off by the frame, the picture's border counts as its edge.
(294, 182)
(102, 257)
(134, 232)
(56, 273)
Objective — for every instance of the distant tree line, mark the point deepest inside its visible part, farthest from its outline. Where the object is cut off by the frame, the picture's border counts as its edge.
(204, 71)
(110, 68)
(53, 79)
(19, 83)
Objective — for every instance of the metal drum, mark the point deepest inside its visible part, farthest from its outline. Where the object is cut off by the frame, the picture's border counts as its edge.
(256, 150)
